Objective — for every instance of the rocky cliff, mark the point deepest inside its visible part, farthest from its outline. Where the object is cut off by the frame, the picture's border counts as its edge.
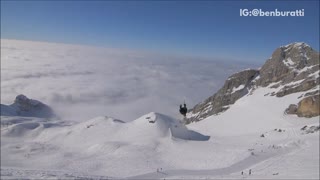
(291, 68)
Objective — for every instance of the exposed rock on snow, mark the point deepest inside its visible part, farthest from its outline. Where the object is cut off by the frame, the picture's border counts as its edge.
(292, 109)
(309, 106)
(292, 68)
(310, 129)
(303, 86)
(24, 106)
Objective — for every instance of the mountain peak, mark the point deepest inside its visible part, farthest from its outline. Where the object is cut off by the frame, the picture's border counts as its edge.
(292, 68)
(22, 99)
(294, 50)
(23, 106)
(296, 45)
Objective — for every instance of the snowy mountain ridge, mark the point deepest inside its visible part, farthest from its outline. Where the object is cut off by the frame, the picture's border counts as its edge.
(26, 107)
(293, 68)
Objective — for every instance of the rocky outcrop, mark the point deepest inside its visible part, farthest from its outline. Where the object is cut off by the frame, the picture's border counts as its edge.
(295, 67)
(310, 129)
(234, 88)
(292, 68)
(292, 109)
(309, 107)
(289, 63)
(303, 86)
(24, 106)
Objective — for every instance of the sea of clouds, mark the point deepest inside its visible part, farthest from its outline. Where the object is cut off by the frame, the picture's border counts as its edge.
(82, 82)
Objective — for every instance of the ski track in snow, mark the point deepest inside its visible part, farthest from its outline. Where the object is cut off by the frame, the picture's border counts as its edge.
(237, 167)
(244, 164)
(13, 173)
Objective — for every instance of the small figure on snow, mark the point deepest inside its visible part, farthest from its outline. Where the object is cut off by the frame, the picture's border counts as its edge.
(183, 110)
(242, 173)
(249, 171)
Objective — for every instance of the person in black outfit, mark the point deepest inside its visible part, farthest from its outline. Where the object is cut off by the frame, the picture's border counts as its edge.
(183, 110)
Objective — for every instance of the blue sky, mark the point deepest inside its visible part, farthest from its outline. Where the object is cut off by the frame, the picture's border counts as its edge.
(197, 28)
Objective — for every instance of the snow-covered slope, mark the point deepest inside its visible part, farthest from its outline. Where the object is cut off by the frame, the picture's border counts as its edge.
(157, 146)
(102, 145)
(254, 113)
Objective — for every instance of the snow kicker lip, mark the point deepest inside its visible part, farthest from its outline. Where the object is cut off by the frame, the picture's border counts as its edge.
(187, 134)
(174, 127)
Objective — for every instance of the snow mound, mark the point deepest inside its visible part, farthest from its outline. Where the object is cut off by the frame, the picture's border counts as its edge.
(16, 126)
(146, 129)
(159, 125)
(22, 129)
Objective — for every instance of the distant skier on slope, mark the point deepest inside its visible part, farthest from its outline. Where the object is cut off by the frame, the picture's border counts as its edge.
(183, 110)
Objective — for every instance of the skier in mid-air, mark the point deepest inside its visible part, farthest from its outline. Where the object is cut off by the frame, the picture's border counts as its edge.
(183, 110)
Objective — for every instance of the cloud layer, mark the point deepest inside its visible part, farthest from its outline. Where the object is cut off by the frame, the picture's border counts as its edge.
(82, 82)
